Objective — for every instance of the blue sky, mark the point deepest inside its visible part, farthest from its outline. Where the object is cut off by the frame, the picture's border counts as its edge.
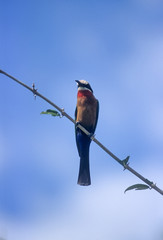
(118, 47)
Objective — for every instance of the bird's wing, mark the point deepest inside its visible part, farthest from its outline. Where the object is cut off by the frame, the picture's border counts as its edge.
(97, 113)
(76, 113)
(75, 120)
(77, 132)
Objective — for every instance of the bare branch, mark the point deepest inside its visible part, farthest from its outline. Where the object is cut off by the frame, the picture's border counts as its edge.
(124, 162)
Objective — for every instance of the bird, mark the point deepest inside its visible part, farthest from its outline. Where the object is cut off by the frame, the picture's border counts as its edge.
(86, 114)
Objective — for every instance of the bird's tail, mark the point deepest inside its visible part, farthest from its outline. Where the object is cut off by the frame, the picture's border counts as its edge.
(84, 178)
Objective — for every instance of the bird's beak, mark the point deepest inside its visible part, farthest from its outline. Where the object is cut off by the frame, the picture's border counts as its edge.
(78, 82)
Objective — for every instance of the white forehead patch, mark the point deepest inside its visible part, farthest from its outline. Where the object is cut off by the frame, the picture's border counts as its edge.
(84, 82)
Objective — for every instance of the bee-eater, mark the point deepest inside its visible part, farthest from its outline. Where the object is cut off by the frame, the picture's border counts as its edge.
(86, 114)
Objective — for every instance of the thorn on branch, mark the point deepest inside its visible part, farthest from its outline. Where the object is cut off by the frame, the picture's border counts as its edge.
(125, 162)
(153, 185)
(62, 112)
(150, 183)
(34, 90)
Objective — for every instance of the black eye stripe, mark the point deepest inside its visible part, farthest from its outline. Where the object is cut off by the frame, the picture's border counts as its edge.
(86, 86)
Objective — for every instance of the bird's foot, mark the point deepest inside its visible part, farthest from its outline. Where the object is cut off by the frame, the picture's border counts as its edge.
(91, 136)
(76, 124)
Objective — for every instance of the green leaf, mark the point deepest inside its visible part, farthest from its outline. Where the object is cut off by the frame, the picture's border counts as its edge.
(137, 187)
(54, 113)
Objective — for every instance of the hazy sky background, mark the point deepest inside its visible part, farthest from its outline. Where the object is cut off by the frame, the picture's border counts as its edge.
(118, 47)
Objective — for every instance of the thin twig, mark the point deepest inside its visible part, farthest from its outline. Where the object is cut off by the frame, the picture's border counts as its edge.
(124, 162)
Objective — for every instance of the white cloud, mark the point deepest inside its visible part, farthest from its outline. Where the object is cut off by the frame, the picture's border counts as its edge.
(99, 212)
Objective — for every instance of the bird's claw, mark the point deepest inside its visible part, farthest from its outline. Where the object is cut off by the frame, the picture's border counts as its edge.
(91, 136)
(76, 124)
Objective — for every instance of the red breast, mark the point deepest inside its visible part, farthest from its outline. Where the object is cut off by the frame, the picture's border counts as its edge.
(84, 93)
